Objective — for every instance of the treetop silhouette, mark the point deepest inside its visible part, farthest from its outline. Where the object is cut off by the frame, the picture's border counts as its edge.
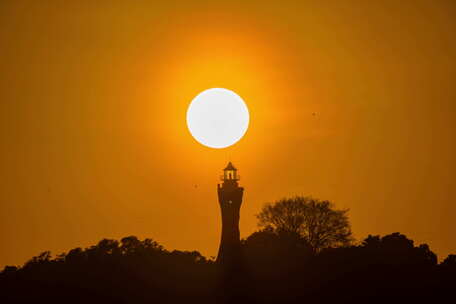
(318, 222)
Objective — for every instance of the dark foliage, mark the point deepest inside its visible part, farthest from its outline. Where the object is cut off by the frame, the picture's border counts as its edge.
(318, 222)
(131, 271)
(278, 267)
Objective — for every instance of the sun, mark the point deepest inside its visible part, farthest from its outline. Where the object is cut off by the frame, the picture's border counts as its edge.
(218, 118)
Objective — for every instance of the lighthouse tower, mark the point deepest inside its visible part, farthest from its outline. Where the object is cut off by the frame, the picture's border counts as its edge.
(230, 200)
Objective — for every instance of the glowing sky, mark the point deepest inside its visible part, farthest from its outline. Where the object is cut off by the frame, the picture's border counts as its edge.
(93, 135)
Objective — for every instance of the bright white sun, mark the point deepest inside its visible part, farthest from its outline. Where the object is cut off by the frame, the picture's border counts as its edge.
(217, 118)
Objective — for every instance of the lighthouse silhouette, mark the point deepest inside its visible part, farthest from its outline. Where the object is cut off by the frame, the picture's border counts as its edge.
(230, 200)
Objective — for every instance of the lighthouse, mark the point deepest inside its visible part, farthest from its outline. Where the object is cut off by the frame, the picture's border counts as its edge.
(230, 200)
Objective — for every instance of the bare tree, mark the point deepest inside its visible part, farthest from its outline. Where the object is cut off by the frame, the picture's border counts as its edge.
(316, 221)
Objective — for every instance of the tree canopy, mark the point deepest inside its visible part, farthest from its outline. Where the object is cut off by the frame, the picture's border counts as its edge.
(318, 222)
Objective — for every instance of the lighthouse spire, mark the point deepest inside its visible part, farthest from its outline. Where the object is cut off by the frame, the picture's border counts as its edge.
(230, 200)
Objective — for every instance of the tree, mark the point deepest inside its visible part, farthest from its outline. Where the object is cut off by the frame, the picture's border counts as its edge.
(269, 245)
(42, 258)
(450, 261)
(396, 248)
(268, 253)
(316, 221)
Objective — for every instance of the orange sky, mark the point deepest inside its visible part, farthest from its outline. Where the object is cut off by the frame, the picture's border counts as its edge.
(94, 142)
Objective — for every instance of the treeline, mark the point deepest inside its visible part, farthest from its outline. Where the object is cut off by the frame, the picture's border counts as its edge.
(277, 268)
(129, 271)
(304, 253)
